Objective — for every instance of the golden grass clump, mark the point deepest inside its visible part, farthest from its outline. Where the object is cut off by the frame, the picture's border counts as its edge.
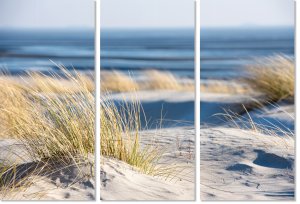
(120, 128)
(53, 126)
(161, 80)
(52, 123)
(165, 80)
(117, 82)
(274, 77)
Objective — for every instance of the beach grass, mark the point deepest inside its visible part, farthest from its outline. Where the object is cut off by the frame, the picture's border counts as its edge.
(121, 139)
(267, 127)
(120, 129)
(55, 123)
(52, 125)
(120, 126)
(163, 80)
(60, 83)
(273, 76)
(115, 81)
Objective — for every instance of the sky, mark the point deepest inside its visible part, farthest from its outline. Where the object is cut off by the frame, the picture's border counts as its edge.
(147, 13)
(235, 13)
(144, 13)
(45, 14)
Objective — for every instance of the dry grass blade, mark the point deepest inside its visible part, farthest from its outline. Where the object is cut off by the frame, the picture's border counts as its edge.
(265, 127)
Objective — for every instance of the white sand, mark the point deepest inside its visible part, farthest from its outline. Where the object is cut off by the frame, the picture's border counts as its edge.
(61, 183)
(43, 188)
(242, 164)
(119, 181)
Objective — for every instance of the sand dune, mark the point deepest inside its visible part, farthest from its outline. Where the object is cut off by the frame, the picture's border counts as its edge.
(243, 165)
(239, 164)
(119, 181)
(42, 182)
(175, 137)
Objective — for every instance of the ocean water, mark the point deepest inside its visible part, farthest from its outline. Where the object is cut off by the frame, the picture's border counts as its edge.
(25, 50)
(136, 50)
(225, 52)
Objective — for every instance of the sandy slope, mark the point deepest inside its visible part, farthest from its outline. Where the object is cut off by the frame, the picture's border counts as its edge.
(120, 181)
(243, 164)
(43, 188)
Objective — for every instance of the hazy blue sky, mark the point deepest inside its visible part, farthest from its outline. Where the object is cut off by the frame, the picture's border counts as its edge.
(230, 13)
(46, 13)
(147, 13)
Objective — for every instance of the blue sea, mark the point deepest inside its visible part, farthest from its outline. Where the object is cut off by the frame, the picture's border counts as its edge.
(136, 50)
(28, 50)
(225, 52)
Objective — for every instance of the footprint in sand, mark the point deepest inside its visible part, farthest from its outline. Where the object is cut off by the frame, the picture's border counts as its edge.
(272, 160)
(240, 167)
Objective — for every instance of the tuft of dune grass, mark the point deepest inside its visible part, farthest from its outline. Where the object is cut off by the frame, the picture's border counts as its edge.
(157, 80)
(51, 125)
(273, 76)
(120, 135)
(164, 80)
(120, 131)
(54, 125)
(117, 82)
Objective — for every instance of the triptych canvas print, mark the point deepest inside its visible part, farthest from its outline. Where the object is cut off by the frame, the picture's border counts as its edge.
(137, 136)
